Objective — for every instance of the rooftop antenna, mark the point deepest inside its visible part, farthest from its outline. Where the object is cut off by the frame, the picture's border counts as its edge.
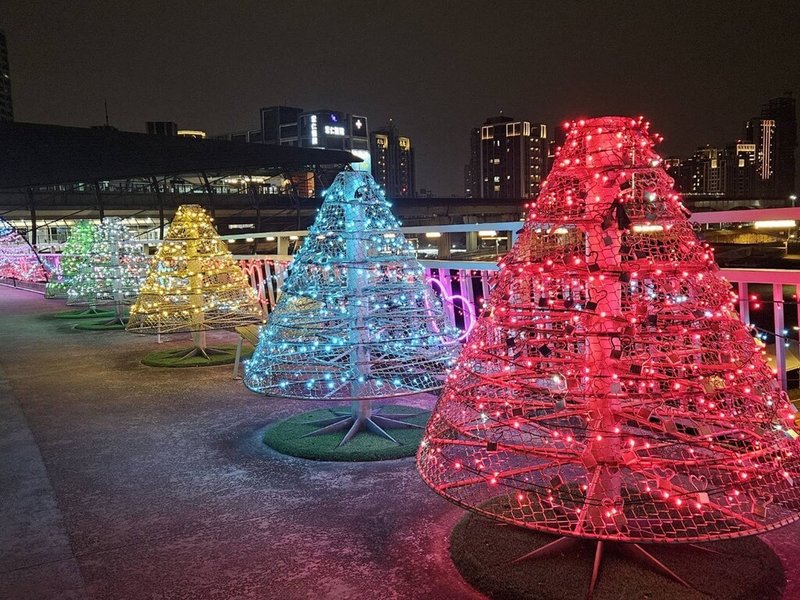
(105, 104)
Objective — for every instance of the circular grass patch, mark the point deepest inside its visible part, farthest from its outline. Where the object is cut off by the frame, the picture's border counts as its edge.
(483, 550)
(173, 358)
(287, 438)
(100, 326)
(83, 313)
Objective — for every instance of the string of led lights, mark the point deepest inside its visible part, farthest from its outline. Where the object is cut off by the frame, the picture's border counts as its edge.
(356, 318)
(112, 270)
(76, 250)
(609, 390)
(194, 283)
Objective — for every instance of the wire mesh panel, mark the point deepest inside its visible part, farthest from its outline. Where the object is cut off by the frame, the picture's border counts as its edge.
(112, 270)
(609, 390)
(356, 318)
(194, 283)
(18, 259)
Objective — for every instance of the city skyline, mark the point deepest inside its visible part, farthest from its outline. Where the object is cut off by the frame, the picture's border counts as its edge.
(436, 73)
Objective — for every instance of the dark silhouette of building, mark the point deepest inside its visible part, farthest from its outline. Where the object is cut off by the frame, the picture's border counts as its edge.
(6, 108)
(165, 128)
(393, 162)
(783, 112)
(513, 157)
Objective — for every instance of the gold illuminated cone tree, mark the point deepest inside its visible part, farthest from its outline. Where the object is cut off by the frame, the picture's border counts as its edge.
(609, 390)
(194, 285)
(112, 270)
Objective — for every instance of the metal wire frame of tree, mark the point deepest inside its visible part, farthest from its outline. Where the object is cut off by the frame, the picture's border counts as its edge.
(608, 390)
(194, 284)
(356, 319)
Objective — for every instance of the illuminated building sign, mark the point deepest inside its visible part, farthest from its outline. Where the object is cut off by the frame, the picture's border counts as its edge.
(314, 131)
(358, 126)
(366, 158)
(334, 130)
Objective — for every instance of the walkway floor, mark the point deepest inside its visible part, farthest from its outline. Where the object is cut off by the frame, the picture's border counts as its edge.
(119, 481)
(122, 481)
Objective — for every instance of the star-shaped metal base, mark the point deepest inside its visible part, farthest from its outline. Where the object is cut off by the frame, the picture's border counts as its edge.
(632, 551)
(363, 419)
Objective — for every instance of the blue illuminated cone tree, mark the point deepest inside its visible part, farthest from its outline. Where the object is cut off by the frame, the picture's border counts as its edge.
(356, 319)
(112, 272)
(75, 251)
(18, 259)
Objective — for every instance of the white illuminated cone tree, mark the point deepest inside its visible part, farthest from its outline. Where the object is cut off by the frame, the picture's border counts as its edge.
(112, 271)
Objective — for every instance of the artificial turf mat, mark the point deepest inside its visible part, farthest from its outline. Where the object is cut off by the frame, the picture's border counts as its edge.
(286, 438)
(103, 325)
(172, 358)
(482, 550)
(83, 313)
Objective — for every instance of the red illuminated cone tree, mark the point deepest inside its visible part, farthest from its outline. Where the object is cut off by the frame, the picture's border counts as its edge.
(609, 390)
(18, 260)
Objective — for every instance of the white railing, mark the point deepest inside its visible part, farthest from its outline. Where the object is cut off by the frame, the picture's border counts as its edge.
(463, 283)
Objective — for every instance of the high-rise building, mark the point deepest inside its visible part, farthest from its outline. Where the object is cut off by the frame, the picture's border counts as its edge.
(540, 155)
(6, 108)
(327, 129)
(280, 125)
(708, 178)
(472, 170)
(761, 133)
(740, 169)
(393, 162)
(775, 137)
(513, 158)
(782, 112)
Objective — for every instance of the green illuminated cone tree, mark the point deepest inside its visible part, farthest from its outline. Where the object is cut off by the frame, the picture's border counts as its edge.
(114, 268)
(75, 251)
(194, 285)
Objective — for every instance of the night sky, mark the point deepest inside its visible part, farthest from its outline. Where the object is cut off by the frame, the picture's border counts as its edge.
(697, 70)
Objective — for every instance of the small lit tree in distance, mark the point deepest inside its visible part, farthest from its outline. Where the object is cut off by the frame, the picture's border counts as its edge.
(18, 259)
(112, 272)
(194, 285)
(75, 251)
(356, 319)
(609, 390)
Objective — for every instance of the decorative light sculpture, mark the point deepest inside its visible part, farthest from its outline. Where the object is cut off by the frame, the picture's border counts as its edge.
(356, 319)
(609, 390)
(18, 259)
(194, 284)
(75, 251)
(112, 271)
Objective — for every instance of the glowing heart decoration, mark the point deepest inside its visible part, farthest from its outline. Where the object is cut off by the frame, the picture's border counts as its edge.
(254, 269)
(467, 307)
